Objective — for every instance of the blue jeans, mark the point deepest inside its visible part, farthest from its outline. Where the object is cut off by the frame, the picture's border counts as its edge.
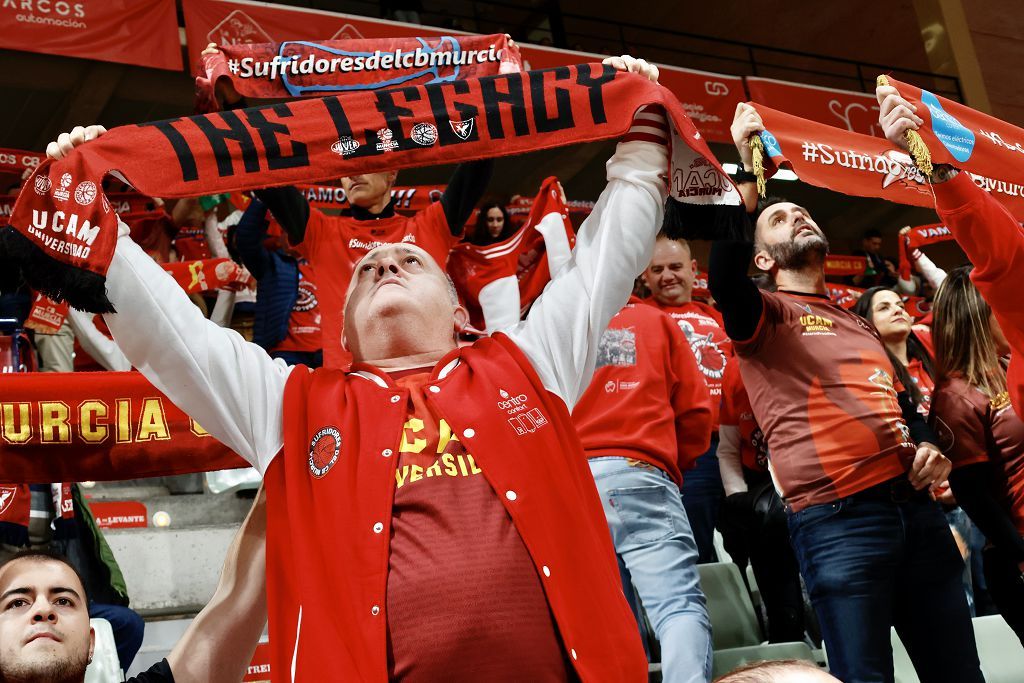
(871, 564)
(652, 535)
(702, 498)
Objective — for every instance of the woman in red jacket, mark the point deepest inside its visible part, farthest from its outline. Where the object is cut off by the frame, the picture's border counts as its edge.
(981, 434)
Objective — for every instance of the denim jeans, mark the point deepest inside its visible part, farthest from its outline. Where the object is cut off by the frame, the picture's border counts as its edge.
(652, 535)
(869, 565)
(702, 498)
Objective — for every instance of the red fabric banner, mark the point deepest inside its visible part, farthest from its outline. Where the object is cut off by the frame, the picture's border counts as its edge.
(142, 32)
(854, 111)
(46, 315)
(523, 256)
(854, 164)
(62, 211)
(207, 275)
(990, 149)
(836, 264)
(408, 199)
(98, 426)
(17, 160)
(709, 99)
(119, 514)
(304, 68)
(923, 235)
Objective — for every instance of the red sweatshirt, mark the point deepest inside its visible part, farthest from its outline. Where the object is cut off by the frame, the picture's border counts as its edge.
(648, 399)
(994, 242)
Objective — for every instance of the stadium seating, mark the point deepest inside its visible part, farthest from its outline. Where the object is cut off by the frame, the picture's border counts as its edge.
(733, 621)
(1002, 656)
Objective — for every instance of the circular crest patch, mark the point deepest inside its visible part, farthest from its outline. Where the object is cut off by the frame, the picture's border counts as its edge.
(42, 184)
(424, 134)
(85, 193)
(324, 450)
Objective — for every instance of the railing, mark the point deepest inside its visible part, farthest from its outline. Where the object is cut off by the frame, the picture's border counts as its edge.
(544, 23)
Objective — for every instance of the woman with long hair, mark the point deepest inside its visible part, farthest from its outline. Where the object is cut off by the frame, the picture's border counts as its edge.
(493, 224)
(915, 369)
(981, 434)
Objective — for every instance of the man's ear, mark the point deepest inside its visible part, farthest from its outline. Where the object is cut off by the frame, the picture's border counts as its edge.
(92, 642)
(461, 318)
(763, 261)
(392, 178)
(693, 266)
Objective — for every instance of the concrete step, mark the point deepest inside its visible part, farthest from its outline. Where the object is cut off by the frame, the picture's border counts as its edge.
(171, 570)
(106, 490)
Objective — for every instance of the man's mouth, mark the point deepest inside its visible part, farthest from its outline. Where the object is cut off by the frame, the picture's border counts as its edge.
(49, 635)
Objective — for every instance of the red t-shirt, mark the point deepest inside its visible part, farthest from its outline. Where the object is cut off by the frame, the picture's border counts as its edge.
(972, 430)
(924, 382)
(711, 346)
(647, 399)
(334, 244)
(464, 600)
(304, 320)
(737, 412)
(822, 389)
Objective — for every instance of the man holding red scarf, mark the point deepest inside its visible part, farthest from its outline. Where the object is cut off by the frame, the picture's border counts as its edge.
(852, 456)
(432, 514)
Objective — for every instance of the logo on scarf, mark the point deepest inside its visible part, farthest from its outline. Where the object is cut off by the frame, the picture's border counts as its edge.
(324, 450)
(7, 494)
(345, 146)
(42, 185)
(85, 193)
(62, 193)
(955, 136)
(462, 128)
(424, 134)
(387, 142)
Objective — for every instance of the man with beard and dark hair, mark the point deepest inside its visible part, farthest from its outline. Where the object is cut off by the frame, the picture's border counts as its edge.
(852, 456)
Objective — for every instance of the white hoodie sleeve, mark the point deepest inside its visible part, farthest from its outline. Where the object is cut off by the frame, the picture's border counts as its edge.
(104, 351)
(231, 387)
(560, 335)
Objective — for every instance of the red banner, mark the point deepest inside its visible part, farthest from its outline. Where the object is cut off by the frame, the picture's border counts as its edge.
(305, 68)
(923, 235)
(990, 149)
(836, 264)
(847, 295)
(119, 514)
(855, 111)
(409, 199)
(854, 164)
(98, 426)
(17, 160)
(46, 316)
(709, 99)
(259, 667)
(142, 32)
(207, 275)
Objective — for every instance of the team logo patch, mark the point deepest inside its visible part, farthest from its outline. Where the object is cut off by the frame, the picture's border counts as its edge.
(7, 494)
(387, 140)
(61, 193)
(85, 193)
(42, 185)
(345, 146)
(324, 450)
(424, 134)
(462, 128)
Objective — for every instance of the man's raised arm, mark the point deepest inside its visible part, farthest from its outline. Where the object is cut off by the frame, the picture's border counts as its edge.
(560, 335)
(229, 386)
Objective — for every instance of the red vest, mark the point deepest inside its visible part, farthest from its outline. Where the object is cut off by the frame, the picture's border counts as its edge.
(329, 497)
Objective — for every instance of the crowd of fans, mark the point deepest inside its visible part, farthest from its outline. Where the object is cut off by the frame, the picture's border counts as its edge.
(868, 466)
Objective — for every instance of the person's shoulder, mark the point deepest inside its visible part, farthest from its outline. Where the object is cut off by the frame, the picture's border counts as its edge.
(953, 392)
(158, 673)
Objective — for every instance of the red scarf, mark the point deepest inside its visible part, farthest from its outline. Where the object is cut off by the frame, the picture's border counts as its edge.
(847, 295)
(66, 229)
(302, 68)
(16, 512)
(521, 256)
(918, 237)
(98, 426)
(862, 165)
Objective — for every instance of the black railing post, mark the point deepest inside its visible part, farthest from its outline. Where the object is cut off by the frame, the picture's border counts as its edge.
(558, 36)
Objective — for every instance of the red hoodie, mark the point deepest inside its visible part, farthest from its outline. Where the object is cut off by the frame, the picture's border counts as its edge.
(648, 399)
(994, 242)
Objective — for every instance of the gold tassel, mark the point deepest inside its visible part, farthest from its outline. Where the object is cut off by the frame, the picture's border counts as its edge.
(757, 161)
(915, 143)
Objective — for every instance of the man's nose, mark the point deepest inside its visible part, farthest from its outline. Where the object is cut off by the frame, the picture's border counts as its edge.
(385, 267)
(43, 611)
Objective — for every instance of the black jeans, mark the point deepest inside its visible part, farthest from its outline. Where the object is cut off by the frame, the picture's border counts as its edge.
(1006, 587)
(870, 564)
